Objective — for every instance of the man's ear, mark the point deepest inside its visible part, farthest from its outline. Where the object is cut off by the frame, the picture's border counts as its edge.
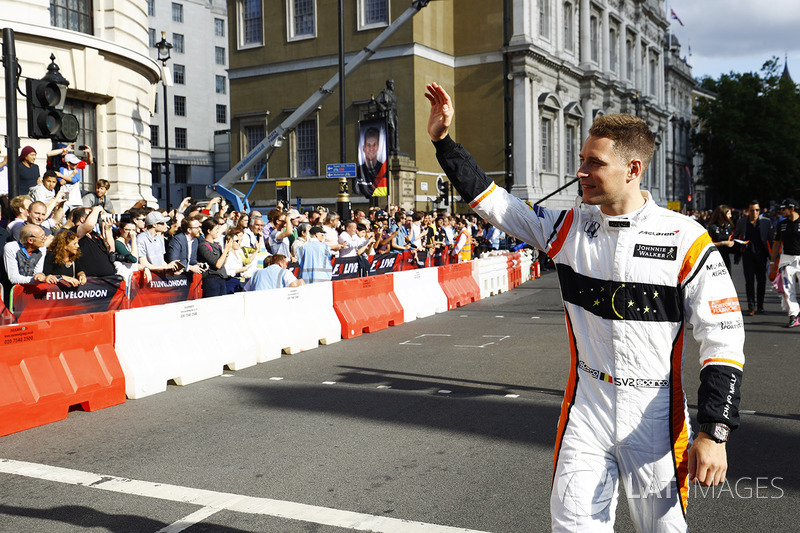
(635, 170)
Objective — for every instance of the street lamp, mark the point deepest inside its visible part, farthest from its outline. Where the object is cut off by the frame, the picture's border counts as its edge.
(164, 48)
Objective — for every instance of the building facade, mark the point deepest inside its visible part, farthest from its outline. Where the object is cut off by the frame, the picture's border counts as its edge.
(527, 85)
(197, 101)
(101, 49)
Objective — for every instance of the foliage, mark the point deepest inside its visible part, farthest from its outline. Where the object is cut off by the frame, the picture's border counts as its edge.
(750, 136)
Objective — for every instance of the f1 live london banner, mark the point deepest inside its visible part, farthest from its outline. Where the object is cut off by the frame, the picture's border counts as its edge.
(164, 288)
(351, 267)
(43, 301)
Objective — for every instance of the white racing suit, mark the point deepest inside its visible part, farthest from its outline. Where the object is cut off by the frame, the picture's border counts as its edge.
(629, 284)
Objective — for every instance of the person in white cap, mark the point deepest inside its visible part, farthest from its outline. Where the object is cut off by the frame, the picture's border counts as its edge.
(70, 180)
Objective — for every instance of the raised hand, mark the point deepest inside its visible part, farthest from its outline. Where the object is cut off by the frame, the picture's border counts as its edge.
(441, 112)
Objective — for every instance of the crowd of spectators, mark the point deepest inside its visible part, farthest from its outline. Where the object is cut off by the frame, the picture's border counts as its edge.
(51, 234)
(761, 239)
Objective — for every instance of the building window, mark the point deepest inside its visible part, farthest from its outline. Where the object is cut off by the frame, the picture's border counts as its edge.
(155, 172)
(653, 75)
(628, 59)
(222, 114)
(373, 13)
(219, 27)
(219, 55)
(595, 42)
(153, 135)
(152, 34)
(177, 43)
(180, 106)
(151, 8)
(302, 19)
(72, 15)
(569, 28)
(306, 148)
(569, 141)
(181, 173)
(612, 52)
(251, 23)
(220, 84)
(544, 19)
(180, 137)
(253, 135)
(546, 144)
(179, 75)
(177, 12)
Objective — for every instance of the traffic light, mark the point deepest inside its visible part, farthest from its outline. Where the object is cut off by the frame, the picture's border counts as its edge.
(46, 118)
(444, 191)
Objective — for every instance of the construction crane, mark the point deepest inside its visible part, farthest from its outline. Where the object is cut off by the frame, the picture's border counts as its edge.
(274, 139)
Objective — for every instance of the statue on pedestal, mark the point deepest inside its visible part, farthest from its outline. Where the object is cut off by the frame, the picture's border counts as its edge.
(387, 104)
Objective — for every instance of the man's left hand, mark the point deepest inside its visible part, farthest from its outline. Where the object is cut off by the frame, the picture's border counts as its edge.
(708, 461)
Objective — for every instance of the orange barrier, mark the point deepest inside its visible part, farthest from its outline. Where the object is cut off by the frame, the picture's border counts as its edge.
(458, 284)
(514, 269)
(48, 366)
(366, 304)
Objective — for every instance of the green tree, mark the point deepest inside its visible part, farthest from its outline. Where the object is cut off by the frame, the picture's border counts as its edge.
(750, 136)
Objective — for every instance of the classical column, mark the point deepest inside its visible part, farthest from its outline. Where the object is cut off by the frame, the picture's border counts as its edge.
(638, 78)
(605, 51)
(585, 33)
(524, 113)
(623, 50)
(521, 24)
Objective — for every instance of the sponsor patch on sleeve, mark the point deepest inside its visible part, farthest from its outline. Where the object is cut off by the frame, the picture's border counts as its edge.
(726, 305)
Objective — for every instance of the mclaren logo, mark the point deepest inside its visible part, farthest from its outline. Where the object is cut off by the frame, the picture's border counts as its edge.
(660, 234)
(591, 227)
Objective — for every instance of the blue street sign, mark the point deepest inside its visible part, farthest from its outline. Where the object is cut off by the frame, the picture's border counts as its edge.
(340, 170)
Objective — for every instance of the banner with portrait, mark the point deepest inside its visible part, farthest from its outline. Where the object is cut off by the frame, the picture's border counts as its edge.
(372, 179)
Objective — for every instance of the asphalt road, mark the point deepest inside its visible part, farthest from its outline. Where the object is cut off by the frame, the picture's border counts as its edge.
(440, 425)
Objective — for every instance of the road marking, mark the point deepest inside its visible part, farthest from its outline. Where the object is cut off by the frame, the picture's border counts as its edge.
(217, 501)
(484, 345)
(424, 335)
(188, 521)
(329, 383)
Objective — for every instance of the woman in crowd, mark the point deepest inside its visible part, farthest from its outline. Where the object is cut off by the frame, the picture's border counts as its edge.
(720, 229)
(126, 252)
(303, 236)
(243, 222)
(274, 276)
(61, 256)
(211, 253)
(237, 266)
(383, 237)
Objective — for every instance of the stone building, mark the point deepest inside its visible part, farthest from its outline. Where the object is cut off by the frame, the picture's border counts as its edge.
(101, 49)
(197, 100)
(526, 85)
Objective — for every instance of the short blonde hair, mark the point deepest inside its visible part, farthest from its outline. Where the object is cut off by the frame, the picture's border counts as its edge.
(631, 135)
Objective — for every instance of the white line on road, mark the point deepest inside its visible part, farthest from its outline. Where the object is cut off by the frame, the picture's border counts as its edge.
(188, 521)
(211, 500)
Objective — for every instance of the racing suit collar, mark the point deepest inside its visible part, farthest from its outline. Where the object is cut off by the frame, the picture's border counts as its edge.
(629, 220)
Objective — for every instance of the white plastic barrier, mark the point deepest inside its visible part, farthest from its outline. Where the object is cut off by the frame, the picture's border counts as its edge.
(183, 341)
(491, 274)
(419, 293)
(291, 320)
(527, 261)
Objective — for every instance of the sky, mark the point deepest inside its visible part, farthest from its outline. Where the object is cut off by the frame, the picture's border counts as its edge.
(737, 35)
